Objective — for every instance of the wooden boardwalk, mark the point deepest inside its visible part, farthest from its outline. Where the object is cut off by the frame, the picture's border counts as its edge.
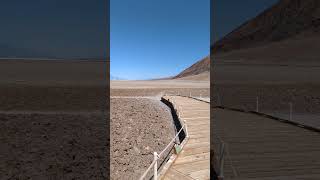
(193, 162)
(263, 148)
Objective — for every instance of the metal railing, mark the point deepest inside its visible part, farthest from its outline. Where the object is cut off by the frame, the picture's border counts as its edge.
(157, 156)
(183, 94)
(300, 112)
(219, 160)
(290, 107)
(221, 155)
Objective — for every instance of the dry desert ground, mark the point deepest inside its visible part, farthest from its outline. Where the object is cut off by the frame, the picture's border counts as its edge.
(141, 124)
(139, 127)
(53, 119)
(239, 85)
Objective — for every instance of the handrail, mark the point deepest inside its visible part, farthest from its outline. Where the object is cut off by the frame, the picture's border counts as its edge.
(146, 172)
(224, 153)
(172, 141)
(157, 156)
(221, 162)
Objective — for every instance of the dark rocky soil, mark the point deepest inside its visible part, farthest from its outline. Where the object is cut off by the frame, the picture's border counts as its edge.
(304, 97)
(14, 97)
(53, 146)
(53, 119)
(139, 127)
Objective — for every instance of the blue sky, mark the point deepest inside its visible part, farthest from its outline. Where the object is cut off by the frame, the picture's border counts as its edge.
(152, 39)
(56, 28)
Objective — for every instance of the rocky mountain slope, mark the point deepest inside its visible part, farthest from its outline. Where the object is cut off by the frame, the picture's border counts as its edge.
(289, 25)
(198, 71)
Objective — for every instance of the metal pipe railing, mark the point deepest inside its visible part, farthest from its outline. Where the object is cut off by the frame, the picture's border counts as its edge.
(157, 156)
(221, 162)
(146, 172)
(221, 159)
(155, 168)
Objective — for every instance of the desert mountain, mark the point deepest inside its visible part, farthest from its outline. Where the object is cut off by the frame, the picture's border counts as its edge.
(289, 26)
(198, 71)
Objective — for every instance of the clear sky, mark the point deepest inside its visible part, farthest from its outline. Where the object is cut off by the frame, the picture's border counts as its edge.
(53, 28)
(229, 14)
(153, 39)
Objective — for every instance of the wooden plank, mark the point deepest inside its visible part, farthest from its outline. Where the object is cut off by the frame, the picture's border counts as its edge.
(200, 175)
(194, 158)
(175, 175)
(201, 126)
(198, 140)
(194, 145)
(200, 135)
(261, 148)
(193, 166)
(197, 150)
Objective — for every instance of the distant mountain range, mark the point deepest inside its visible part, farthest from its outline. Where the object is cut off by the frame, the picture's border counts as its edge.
(115, 77)
(289, 31)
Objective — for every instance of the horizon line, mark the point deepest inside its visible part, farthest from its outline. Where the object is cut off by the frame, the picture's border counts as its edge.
(54, 59)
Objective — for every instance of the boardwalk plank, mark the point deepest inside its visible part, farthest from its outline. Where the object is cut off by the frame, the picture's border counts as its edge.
(193, 166)
(193, 160)
(264, 148)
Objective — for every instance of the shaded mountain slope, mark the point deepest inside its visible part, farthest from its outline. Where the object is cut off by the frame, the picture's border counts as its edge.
(296, 51)
(286, 20)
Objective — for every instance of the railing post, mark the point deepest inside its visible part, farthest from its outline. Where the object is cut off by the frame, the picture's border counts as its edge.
(221, 162)
(257, 104)
(190, 94)
(186, 128)
(155, 167)
(290, 104)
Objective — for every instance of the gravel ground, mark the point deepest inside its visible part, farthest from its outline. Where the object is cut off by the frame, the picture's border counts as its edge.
(273, 100)
(53, 146)
(53, 119)
(139, 127)
(238, 85)
(15, 97)
(304, 97)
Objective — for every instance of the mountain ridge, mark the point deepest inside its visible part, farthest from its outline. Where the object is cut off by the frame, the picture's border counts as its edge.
(284, 20)
(200, 67)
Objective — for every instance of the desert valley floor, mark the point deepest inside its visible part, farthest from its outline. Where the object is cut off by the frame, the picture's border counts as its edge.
(140, 120)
